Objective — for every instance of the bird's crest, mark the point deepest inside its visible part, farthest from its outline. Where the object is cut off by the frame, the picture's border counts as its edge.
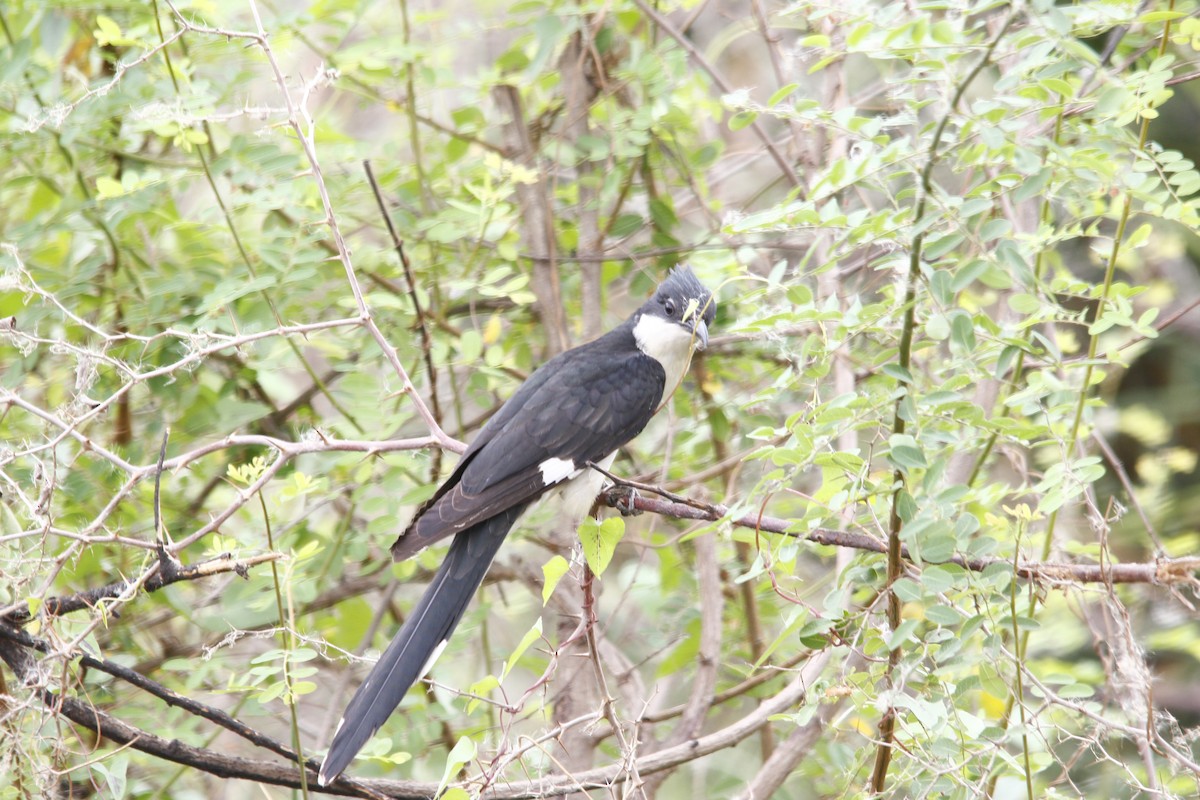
(683, 284)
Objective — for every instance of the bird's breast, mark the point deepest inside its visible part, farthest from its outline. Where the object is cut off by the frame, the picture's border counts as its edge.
(667, 343)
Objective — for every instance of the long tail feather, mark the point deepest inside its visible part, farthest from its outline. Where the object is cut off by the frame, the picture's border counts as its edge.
(419, 641)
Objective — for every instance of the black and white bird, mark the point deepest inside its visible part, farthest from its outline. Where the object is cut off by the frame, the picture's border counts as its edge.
(575, 410)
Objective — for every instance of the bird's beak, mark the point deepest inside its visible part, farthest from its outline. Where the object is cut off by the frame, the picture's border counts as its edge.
(701, 331)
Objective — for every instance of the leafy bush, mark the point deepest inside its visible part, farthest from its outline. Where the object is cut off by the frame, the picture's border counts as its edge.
(913, 564)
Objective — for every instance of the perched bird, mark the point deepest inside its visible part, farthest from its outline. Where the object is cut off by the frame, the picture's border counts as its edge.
(575, 410)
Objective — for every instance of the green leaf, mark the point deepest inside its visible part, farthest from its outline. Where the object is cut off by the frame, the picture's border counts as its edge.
(781, 93)
(113, 770)
(1151, 17)
(967, 274)
(941, 578)
(108, 188)
(908, 590)
(962, 331)
(994, 229)
(552, 572)
(944, 32)
(1139, 237)
(107, 30)
(742, 119)
(460, 754)
(531, 636)
(663, 215)
(626, 225)
(231, 289)
(800, 294)
(1033, 186)
(599, 540)
(942, 245)
(859, 34)
(271, 692)
(937, 327)
(939, 287)
(468, 118)
(1059, 86)
(1024, 303)
(943, 615)
(906, 454)
(470, 346)
(683, 654)
(481, 688)
(903, 634)
(937, 546)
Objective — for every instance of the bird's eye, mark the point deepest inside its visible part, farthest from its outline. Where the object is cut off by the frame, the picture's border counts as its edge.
(669, 307)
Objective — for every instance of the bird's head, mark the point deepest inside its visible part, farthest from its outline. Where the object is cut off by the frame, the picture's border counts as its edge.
(674, 322)
(679, 313)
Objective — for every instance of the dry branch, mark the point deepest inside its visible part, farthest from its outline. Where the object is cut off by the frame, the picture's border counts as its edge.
(56, 606)
(1164, 571)
(14, 651)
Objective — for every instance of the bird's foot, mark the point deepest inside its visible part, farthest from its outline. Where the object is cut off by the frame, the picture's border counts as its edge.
(623, 499)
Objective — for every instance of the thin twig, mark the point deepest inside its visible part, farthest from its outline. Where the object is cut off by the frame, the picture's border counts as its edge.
(307, 138)
(281, 774)
(695, 55)
(57, 606)
(422, 327)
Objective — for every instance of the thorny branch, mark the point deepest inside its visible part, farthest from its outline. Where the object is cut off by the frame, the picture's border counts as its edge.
(1164, 571)
(210, 761)
(57, 606)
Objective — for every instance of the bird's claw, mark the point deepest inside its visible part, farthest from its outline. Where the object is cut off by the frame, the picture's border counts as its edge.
(623, 499)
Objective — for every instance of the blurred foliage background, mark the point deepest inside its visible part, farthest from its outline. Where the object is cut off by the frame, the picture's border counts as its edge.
(955, 253)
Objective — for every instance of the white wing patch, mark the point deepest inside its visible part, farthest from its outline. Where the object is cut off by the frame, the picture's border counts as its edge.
(556, 470)
(575, 497)
(437, 651)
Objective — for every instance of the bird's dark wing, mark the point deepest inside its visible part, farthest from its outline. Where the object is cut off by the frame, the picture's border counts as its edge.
(419, 640)
(579, 407)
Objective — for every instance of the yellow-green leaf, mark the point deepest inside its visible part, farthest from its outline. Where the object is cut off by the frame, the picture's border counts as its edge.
(492, 330)
(599, 540)
(1140, 236)
(531, 636)
(107, 30)
(552, 572)
(108, 187)
(462, 752)
(481, 688)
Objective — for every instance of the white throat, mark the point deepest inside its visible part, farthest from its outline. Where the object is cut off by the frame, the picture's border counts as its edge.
(667, 343)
